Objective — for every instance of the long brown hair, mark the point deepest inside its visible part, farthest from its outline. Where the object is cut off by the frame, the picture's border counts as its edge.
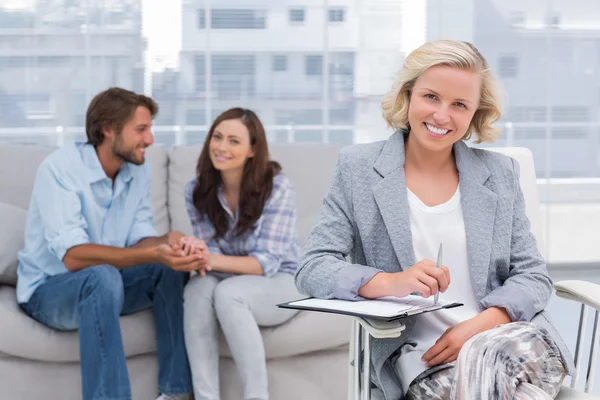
(257, 179)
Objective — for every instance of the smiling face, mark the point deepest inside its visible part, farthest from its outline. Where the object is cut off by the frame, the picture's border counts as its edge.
(230, 146)
(443, 101)
(130, 144)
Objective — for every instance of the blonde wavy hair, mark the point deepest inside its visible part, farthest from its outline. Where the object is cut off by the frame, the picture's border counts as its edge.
(456, 54)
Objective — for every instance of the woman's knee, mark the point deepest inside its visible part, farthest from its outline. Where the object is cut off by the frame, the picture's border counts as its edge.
(513, 343)
(233, 290)
(199, 289)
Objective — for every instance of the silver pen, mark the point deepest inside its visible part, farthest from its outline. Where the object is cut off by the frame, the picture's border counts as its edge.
(439, 265)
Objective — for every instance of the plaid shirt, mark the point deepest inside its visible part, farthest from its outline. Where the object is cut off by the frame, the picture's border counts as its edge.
(273, 240)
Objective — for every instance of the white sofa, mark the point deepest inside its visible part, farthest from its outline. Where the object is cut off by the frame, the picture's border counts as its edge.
(307, 357)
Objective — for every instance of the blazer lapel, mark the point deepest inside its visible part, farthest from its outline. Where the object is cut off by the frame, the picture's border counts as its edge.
(392, 201)
(479, 211)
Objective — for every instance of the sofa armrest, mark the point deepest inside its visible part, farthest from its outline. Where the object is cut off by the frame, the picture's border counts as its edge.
(587, 293)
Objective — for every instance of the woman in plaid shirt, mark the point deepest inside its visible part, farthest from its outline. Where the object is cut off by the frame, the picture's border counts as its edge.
(243, 212)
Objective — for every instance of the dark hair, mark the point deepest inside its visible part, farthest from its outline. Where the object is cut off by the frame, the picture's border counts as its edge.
(112, 108)
(257, 179)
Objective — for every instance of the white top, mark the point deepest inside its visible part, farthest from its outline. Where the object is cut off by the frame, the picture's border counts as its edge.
(431, 226)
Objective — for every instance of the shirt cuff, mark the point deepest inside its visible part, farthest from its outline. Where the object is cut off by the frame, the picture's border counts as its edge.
(139, 232)
(351, 279)
(215, 249)
(66, 240)
(267, 262)
(517, 304)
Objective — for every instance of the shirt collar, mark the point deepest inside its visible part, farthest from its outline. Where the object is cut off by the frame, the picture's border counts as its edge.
(225, 205)
(95, 171)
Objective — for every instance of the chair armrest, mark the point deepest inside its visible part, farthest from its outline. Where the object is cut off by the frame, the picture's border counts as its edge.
(584, 292)
(381, 330)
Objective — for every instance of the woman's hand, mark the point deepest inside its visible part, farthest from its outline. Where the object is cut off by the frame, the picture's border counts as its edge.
(423, 277)
(193, 245)
(447, 347)
(178, 260)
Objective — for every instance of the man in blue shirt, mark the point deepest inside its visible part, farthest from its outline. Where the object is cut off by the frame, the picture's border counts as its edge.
(92, 254)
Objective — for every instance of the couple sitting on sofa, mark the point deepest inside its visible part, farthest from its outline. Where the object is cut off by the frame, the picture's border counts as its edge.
(92, 254)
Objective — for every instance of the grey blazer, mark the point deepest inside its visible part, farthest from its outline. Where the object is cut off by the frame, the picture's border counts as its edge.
(365, 219)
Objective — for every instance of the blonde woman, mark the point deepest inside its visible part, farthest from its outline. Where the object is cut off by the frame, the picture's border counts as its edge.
(390, 206)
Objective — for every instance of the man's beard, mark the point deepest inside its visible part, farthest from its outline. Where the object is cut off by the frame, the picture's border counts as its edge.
(126, 155)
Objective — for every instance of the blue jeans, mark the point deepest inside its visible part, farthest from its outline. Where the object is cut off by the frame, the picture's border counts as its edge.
(92, 300)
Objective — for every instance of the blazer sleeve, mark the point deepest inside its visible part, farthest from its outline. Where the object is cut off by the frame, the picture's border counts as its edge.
(323, 270)
(528, 287)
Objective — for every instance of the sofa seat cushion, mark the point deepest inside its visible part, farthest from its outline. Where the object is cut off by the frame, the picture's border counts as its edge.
(27, 338)
(22, 336)
(12, 235)
(304, 333)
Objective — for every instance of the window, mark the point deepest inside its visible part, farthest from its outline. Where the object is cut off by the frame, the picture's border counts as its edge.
(517, 18)
(233, 64)
(201, 18)
(297, 15)
(313, 65)
(570, 114)
(16, 19)
(238, 19)
(336, 14)
(195, 117)
(53, 61)
(526, 114)
(199, 74)
(508, 66)
(553, 20)
(280, 63)
(234, 76)
(341, 63)
(20, 62)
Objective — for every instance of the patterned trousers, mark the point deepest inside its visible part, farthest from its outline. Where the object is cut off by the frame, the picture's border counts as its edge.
(513, 361)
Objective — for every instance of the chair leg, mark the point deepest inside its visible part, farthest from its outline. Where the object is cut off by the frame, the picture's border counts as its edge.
(357, 338)
(589, 382)
(579, 346)
(366, 386)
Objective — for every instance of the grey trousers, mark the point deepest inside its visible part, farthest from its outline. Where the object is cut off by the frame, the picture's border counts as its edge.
(516, 361)
(239, 304)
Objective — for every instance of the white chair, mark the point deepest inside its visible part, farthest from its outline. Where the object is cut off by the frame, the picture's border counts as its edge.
(586, 293)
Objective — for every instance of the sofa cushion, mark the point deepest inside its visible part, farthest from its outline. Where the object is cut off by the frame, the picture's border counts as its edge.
(157, 157)
(310, 168)
(305, 333)
(182, 168)
(18, 166)
(310, 179)
(12, 235)
(27, 338)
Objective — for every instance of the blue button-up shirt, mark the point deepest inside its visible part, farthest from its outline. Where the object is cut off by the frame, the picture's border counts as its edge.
(273, 240)
(73, 203)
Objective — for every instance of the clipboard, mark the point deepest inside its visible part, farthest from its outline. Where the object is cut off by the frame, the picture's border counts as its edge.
(385, 309)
